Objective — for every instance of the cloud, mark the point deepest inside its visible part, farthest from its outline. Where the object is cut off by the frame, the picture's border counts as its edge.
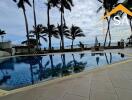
(83, 14)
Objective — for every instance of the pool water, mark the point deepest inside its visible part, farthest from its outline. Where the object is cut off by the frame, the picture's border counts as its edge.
(19, 72)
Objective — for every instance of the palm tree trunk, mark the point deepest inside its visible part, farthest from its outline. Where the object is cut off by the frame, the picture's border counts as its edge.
(130, 21)
(34, 13)
(26, 24)
(106, 34)
(72, 44)
(64, 20)
(49, 32)
(60, 44)
(35, 23)
(108, 21)
(2, 38)
(62, 37)
(109, 31)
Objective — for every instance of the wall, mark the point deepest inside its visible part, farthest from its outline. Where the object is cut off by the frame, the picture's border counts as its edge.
(3, 54)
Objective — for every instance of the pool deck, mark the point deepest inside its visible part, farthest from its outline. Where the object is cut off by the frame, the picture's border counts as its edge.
(111, 82)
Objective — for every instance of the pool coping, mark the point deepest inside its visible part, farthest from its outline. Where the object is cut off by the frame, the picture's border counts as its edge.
(44, 83)
(44, 54)
(88, 51)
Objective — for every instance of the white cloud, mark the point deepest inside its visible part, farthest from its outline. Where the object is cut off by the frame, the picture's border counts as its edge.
(83, 14)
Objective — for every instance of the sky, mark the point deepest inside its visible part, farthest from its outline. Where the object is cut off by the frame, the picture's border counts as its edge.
(83, 14)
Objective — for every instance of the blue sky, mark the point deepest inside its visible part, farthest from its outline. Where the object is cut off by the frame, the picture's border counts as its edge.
(83, 14)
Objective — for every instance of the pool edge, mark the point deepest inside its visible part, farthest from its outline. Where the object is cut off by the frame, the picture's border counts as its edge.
(5, 93)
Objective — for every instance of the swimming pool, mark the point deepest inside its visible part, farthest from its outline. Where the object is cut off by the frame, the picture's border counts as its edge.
(19, 72)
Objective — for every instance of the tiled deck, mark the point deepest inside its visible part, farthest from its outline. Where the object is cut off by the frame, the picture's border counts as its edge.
(111, 83)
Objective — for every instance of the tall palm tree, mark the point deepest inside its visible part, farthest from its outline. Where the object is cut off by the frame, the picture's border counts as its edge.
(40, 32)
(2, 33)
(48, 22)
(64, 4)
(108, 5)
(54, 32)
(21, 4)
(50, 4)
(74, 32)
(128, 4)
(34, 14)
(65, 31)
(130, 21)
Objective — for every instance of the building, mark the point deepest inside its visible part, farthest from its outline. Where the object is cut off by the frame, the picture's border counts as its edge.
(22, 49)
(6, 46)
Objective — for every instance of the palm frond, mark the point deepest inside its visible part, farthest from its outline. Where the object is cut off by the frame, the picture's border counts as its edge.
(100, 1)
(2, 32)
(45, 39)
(99, 9)
(27, 1)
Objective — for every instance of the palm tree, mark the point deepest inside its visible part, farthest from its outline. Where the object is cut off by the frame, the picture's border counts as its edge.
(31, 42)
(54, 32)
(128, 4)
(40, 32)
(50, 3)
(65, 31)
(2, 33)
(108, 5)
(48, 23)
(130, 21)
(74, 32)
(34, 13)
(21, 4)
(63, 4)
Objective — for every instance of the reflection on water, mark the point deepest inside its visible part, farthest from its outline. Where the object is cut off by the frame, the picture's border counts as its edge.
(22, 71)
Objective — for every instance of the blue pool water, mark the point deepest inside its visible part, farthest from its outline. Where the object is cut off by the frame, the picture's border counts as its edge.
(18, 72)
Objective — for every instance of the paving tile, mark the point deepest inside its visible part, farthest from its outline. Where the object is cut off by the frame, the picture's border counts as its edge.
(22, 95)
(127, 84)
(102, 86)
(124, 94)
(117, 76)
(99, 95)
(80, 87)
(81, 91)
(128, 75)
(51, 93)
(73, 97)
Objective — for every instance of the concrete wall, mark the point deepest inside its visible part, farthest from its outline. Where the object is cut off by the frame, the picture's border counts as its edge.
(24, 50)
(5, 45)
(4, 54)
